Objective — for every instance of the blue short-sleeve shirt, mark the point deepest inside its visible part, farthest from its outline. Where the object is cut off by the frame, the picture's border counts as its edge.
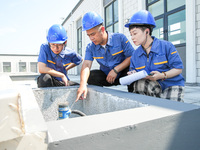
(59, 61)
(162, 57)
(117, 49)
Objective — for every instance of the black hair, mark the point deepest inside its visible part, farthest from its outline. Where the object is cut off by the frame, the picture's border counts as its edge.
(142, 27)
(101, 24)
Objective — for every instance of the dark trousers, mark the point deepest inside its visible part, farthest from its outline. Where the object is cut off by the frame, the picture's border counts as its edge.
(46, 80)
(98, 77)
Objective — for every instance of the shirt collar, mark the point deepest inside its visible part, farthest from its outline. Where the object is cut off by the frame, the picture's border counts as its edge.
(155, 45)
(109, 42)
(61, 54)
(154, 48)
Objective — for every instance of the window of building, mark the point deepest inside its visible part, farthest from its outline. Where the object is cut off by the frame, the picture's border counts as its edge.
(33, 66)
(79, 36)
(111, 15)
(67, 42)
(6, 66)
(170, 20)
(22, 66)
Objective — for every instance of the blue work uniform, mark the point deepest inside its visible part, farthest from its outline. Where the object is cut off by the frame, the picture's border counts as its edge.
(117, 49)
(162, 57)
(59, 61)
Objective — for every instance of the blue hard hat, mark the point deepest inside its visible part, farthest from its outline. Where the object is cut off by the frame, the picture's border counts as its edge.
(91, 20)
(57, 34)
(142, 17)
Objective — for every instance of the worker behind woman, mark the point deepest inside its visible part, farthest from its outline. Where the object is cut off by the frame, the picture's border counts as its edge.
(55, 59)
(112, 51)
(157, 57)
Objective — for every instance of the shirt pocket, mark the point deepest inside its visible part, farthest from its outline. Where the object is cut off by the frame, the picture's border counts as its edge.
(139, 66)
(66, 62)
(160, 62)
(99, 57)
(98, 54)
(117, 54)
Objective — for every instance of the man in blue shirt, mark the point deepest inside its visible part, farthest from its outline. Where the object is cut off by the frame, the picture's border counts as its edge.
(157, 57)
(111, 50)
(55, 59)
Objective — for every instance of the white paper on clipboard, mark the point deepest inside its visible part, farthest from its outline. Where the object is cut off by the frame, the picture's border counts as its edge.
(127, 80)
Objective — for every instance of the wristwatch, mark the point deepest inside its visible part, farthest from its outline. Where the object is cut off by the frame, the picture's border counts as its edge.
(115, 71)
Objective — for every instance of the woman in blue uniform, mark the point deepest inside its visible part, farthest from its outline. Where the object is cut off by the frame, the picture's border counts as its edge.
(157, 57)
(55, 59)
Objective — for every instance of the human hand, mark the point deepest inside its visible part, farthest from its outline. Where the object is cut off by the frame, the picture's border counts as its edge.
(81, 93)
(155, 75)
(131, 72)
(111, 77)
(65, 80)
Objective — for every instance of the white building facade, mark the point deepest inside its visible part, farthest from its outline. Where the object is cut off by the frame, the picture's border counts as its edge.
(16, 64)
(177, 21)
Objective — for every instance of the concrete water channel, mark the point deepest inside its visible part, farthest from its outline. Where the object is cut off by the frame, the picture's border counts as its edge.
(118, 120)
(114, 120)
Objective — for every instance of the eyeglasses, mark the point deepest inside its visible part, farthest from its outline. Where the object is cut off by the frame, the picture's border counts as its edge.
(54, 46)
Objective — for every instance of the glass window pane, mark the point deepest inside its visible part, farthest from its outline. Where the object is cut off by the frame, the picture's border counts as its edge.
(80, 51)
(172, 4)
(109, 29)
(22, 66)
(158, 31)
(116, 10)
(176, 28)
(6, 66)
(109, 19)
(116, 27)
(112, 23)
(157, 8)
(79, 41)
(79, 34)
(149, 1)
(79, 23)
(33, 67)
(106, 2)
(79, 45)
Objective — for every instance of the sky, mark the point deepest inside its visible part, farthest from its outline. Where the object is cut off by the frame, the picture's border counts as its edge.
(24, 23)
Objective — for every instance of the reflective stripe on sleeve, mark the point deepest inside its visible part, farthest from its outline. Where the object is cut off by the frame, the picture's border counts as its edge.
(66, 64)
(51, 62)
(174, 52)
(98, 57)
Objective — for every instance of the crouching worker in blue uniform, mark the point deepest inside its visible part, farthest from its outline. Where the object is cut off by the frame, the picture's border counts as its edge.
(157, 57)
(111, 50)
(55, 59)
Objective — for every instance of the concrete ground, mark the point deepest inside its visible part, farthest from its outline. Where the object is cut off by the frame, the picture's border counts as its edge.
(192, 93)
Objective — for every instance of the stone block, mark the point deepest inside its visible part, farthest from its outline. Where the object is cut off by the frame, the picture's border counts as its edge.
(22, 125)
